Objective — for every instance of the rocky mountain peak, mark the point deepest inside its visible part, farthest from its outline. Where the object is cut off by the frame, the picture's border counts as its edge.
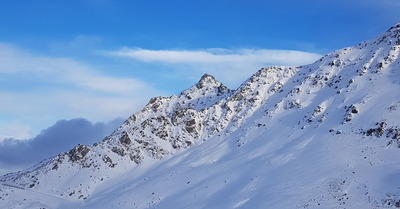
(204, 93)
(207, 80)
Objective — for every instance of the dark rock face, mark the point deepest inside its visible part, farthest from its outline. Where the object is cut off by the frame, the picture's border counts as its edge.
(125, 140)
(350, 111)
(206, 78)
(108, 160)
(382, 130)
(379, 131)
(119, 151)
(78, 152)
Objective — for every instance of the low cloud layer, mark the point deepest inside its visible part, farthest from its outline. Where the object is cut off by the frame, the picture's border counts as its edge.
(65, 134)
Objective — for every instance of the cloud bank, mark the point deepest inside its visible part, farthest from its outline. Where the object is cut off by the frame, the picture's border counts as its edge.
(65, 134)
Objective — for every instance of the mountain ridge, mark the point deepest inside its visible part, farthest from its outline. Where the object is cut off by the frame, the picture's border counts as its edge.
(272, 119)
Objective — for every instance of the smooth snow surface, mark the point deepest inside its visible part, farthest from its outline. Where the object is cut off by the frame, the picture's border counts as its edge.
(324, 135)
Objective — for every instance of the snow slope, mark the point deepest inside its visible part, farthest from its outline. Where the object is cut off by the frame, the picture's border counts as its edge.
(324, 135)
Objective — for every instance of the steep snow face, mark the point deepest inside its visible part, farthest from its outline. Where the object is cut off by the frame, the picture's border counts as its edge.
(324, 135)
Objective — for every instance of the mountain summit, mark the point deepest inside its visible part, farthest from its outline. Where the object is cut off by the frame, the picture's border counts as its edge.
(324, 135)
(207, 79)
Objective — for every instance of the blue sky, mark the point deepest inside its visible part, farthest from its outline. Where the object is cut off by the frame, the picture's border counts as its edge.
(102, 59)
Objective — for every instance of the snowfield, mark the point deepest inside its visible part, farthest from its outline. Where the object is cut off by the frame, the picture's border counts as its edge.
(324, 135)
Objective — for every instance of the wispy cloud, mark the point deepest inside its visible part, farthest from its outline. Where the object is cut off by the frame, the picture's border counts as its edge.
(212, 56)
(63, 70)
(37, 90)
(230, 65)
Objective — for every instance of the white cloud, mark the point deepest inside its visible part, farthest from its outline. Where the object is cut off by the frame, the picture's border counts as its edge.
(213, 56)
(36, 91)
(230, 66)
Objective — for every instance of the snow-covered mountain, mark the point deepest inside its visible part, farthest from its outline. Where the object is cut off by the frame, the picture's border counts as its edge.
(324, 135)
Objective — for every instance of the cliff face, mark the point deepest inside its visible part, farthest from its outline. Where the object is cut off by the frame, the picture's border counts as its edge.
(321, 135)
